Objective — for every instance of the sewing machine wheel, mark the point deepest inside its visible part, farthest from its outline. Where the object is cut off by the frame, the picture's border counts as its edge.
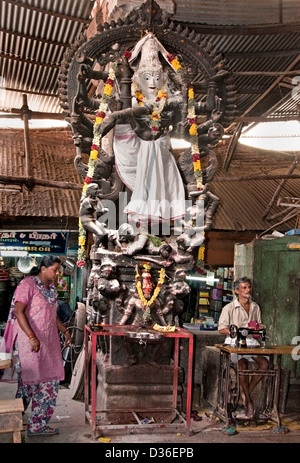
(233, 331)
(233, 388)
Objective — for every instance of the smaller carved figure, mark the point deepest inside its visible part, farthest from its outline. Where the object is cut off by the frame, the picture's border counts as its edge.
(174, 296)
(94, 275)
(201, 215)
(90, 207)
(108, 289)
(132, 309)
(179, 288)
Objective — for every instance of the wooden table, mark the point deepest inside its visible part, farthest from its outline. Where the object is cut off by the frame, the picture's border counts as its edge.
(223, 409)
(11, 412)
(5, 364)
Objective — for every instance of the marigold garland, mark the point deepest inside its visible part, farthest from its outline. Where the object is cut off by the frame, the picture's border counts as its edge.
(194, 138)
(158, 106)
(156, 291)
(173, 60)
(94, 152)
(196, 157)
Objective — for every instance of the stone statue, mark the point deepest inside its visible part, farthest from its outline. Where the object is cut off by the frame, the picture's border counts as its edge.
(108, 288)
(90, 209)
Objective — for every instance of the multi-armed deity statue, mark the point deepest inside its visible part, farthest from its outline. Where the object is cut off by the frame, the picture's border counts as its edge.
(147, 211)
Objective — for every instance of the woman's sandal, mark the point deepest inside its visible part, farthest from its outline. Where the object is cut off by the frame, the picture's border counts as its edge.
(45, 432)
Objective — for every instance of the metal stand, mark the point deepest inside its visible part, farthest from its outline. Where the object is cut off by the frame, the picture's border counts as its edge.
(178, 420)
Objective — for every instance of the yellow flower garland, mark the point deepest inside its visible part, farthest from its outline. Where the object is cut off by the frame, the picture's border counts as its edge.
(194, 139)
(156, 292)
(158, 104)
(101, 113)
(196, 158)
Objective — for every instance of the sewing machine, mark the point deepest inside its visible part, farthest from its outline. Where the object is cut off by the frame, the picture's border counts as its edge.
(242, 333)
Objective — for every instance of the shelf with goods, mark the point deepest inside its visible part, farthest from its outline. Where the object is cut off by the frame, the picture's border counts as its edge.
(205, 315)
(209, 294)
(204, 302)
(222, 294)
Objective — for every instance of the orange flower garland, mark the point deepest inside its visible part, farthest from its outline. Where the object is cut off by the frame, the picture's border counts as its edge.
(100, 115)
(158, 106)
(174, 62)
(194, 139)
(196, 158)
(157, 290)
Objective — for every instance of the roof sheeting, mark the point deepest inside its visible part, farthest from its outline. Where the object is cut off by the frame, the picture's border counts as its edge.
(34, 35)
(49, 160)
(244, 202)
(232, 12)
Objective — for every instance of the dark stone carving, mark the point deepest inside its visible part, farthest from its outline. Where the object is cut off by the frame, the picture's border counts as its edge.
(114, 298)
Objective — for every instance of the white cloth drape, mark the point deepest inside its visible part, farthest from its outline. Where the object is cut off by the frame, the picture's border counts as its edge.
(149, 169)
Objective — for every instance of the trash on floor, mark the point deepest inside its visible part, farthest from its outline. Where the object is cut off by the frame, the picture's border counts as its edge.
(230, 431)
(148, 420)
(104, 439)
(280, 429)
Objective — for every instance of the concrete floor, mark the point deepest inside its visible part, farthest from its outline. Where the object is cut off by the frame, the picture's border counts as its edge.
(69, 417)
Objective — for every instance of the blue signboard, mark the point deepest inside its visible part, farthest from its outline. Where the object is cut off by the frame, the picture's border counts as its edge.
(35, 242)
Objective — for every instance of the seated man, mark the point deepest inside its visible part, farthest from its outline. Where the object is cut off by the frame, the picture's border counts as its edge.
(64, 311)
(240, 312)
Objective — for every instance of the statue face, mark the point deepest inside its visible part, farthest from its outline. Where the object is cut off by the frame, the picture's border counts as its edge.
(92, 190)
(106, 271)
(150, 81)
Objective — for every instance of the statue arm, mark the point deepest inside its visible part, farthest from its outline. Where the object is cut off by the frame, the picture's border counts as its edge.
(127, 115)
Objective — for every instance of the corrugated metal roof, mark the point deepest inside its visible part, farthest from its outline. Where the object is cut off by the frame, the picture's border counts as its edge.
(243, 203)
(46, 164)
(34, 35)
(232, 12)
(258, 39)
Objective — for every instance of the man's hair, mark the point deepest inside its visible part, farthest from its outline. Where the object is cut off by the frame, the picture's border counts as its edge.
(237, 282)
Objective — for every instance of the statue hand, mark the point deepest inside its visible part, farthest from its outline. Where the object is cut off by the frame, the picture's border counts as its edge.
(182, 128)
(142, 110)
(216, 115)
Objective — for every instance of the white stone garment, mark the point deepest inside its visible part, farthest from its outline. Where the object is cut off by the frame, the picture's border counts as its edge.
(149, 169)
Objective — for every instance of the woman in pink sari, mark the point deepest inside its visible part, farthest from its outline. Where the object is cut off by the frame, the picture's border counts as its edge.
(34, 325)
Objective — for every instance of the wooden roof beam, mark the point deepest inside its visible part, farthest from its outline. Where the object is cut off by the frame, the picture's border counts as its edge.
(31, 37)
(241, 178)
(28, 92)
(232, 145)
(240, 30)
(29, 61)
(271, 87)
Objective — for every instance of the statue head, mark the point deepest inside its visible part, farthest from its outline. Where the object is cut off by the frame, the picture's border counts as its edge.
(165, 250)
(150, 75)
(92, 189)
(215, 132)
(180, 275)
(126, 233)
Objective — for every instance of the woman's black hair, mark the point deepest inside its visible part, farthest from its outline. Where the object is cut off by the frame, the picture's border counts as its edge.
(45, 261)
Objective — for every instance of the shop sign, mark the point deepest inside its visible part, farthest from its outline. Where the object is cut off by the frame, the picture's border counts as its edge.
(36, 242)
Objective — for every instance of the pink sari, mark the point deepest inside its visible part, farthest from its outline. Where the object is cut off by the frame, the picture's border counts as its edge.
(45, 365)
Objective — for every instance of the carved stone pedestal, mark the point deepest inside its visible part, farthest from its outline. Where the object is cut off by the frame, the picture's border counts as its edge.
(137, 387)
